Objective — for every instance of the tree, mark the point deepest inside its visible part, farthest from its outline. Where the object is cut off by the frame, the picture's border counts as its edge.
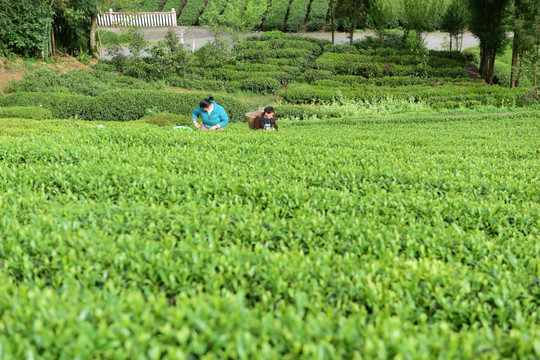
(422, 15)
(525, 26)
(24, 26)
(382, 15)
(353, 13)
(487, 24)
(454, 20)
(75, 22)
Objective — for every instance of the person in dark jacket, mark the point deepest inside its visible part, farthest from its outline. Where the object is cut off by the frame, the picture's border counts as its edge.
(266, 120)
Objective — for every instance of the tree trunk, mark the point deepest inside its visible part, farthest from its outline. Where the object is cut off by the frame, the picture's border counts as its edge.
(332, 24)
(93, 44)
(53, 45)
(520, 67)
(491, 68)
(483, 61)
(515, 45)
(351, 33)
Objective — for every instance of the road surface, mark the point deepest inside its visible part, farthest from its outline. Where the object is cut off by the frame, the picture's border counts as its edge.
(196, 37)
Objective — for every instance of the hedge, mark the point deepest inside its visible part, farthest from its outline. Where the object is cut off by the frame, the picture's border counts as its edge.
(122, 105)
(486, 95)
(299, 111)
(275, 19)
(297, 15)
(260, 84)
(190, 12)
(317, 14)
(212, 7)
(62, 106)
(22, 112)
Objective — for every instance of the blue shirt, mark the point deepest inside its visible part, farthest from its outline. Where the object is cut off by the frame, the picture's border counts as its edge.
(217, 116)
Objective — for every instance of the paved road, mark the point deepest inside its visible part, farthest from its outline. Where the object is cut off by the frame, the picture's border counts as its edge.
(196, 37)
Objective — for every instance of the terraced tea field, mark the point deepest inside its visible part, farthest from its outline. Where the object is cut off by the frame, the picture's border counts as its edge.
(404, 237)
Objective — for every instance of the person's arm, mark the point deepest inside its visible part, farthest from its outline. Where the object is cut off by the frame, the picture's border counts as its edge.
(194, 115)
(224, 120)
(273, 122)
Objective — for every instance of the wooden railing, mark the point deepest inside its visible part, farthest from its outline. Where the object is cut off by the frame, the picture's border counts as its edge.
(141, 19)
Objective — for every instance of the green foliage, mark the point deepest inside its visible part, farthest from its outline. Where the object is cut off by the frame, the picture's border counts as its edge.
(374, 237)
(422, 15)
(62, 106)
(82, 82)
(24, 26)
(297, 15)
(455, 18)
(260, 83)
(275, 18)
(167, 119)
(317, 14)
(190, 12)
(531, 97)
(383, 14)
(30, 112)
(169, 57)
(121, 105)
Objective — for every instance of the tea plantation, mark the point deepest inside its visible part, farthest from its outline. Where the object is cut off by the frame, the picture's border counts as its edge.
(405, 236)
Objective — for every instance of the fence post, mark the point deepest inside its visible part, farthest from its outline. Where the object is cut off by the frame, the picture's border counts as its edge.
(111, 18)
(173, 17)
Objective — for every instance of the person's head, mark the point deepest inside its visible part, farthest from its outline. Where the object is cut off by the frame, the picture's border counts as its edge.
(269, 112)
(205, 103)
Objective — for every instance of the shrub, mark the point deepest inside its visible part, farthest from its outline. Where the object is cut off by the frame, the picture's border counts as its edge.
(275, 19)
(82, 82)
(297, 15)
(165, 118)
(261, 84)
(298, 111)
(317, 14)
(531, 97)
(39, 80)
(128, 105)
(190, 12)
(121, 105)
(29, 112)
(451, 55)
(62, 106)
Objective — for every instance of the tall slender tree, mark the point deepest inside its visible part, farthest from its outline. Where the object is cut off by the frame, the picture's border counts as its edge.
(353, 13)
(525, 25)
(487, 23)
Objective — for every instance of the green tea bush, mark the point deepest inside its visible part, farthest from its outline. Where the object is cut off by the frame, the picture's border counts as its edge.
(531, 97)
(297, 15)
(167, 119)
(295, 111)
(409, 236)
(190, 12)
(317, 14)
(62, 106)
(457, 56)
(121, 105)
(25, 112)
(275, 18)
(82, 82)
(260, 84)
(125, 105)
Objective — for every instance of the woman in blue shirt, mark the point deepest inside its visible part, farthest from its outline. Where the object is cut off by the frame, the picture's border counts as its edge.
(214, 116)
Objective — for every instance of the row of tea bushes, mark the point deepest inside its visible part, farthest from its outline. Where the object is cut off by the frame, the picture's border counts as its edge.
(121, 105)
(410, 237)
(482, 95)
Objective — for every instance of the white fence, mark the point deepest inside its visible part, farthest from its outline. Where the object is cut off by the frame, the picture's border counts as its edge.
(141, 19)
